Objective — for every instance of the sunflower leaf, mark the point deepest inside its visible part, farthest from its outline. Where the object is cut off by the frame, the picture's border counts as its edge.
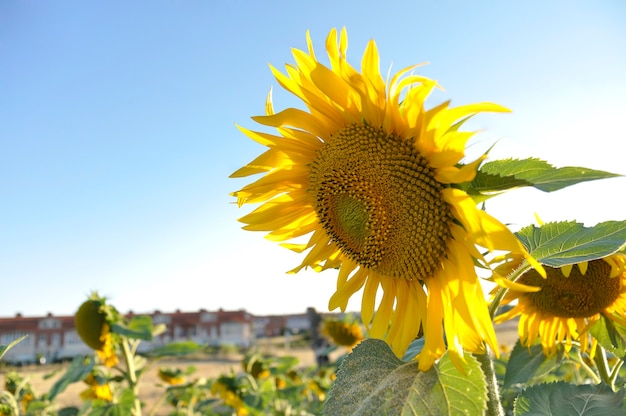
(78, 370)
(611, 335)
(558, 244)
(139, 327)
(526, 364)
(5, 348)
(501, 175)
(414, 349)
(566, 399)
(175, 349)
(373, 381)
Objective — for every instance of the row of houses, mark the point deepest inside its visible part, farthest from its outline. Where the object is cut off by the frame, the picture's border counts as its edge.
(53, 338)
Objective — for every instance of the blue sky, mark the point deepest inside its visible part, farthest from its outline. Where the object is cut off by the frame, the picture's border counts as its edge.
(117, 133)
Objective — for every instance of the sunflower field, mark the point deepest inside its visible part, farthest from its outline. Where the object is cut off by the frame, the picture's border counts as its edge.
(368, 181)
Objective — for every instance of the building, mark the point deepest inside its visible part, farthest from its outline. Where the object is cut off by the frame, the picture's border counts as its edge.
(54, 338)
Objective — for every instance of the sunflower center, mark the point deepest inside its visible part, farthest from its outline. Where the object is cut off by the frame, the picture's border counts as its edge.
(377, 198)
(576, 296)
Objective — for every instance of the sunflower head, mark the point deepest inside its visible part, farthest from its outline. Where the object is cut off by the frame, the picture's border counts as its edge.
(225, 388)
(93, 327)
(343, 333)
(171, 376)
(99, 388)
(17, 383)
(375, 179)
(568, 301)
(90, 321)
(256, 366)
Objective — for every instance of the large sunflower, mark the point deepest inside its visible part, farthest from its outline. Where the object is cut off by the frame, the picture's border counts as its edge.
(372, 176)
(569, 301)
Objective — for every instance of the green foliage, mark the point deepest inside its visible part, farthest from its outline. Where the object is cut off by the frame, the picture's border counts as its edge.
(139, 327)
(77, 371)
(526, 364)
(372, 381)
(122, 407)
(611, 335)
(501, 175)
(558, 244)
(565, 399)
(174, 349)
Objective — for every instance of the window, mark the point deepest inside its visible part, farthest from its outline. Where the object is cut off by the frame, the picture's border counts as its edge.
(72, 338)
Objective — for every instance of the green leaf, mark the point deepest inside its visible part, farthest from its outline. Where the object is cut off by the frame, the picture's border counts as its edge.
(566, 399)
(373, 381)
(501, 175)
(610, 335)
(527, 363)
(558, 244)
(5, 348)
(139, 327)
(415, 347)
(77, 371)
(68, 411)
(123, 407)
(175, 349)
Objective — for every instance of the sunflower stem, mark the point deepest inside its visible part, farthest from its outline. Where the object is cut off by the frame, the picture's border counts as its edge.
(494, 407)
(588, 370)
(131, 374)
(615, 371)
(603, 367)
(516, 274)
(157, 404)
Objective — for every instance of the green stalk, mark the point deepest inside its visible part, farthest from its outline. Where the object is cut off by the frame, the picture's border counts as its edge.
(131, 374)
(603, 367)
(494, 407)
(615, 371)
(157, 404)
(585, 367)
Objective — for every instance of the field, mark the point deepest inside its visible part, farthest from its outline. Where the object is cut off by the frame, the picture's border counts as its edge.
(43, 377)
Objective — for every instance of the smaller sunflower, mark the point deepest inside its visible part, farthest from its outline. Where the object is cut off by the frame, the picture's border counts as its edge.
(224, 388)
(343, 333)
(99, 388)
(18, 386)
(256, 366)
(561, 307)
(94, 329)
(171, 376)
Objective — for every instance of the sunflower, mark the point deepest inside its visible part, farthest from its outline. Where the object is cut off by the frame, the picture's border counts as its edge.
(568, 302)
(171, 376)
(372, 178)
(94, 329)
(230, 395)
(99, 388)
(343, 333)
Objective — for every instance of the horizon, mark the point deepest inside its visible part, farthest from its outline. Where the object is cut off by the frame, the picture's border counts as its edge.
(159, 311)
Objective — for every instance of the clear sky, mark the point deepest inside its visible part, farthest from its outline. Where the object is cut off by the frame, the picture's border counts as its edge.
(117, 133)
